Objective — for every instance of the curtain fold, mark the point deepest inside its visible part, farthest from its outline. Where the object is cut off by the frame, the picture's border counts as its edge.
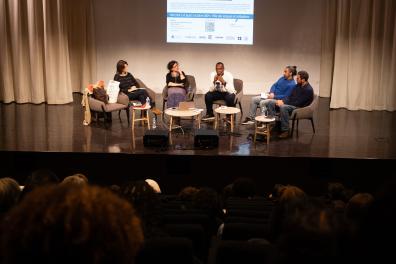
(40, 59)
(364, 55)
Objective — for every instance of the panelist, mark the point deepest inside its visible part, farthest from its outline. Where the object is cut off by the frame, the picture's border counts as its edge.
(176, 85)
(128, 85)
(222, 88)
(301, 96)
(279, 90)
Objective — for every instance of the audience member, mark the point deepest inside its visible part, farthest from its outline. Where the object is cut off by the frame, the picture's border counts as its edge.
(57, 224)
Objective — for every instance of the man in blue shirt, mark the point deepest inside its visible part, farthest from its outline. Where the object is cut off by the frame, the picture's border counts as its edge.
(301, 96)
(279, 90)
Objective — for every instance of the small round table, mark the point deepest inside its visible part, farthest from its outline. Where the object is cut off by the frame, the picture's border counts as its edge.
(144, 115)
(226, 110)
(265, 129)
(174, 112)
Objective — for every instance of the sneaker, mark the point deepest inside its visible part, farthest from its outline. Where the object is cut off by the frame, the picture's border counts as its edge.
(156, 111)
(208, 117)
(248, 121)
(284, 134)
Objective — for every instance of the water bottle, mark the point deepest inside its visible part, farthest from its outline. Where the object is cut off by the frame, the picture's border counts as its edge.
(147, 101)
(154, 123)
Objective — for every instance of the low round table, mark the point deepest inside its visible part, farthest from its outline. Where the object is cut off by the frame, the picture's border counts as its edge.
(226, 110)
(174, 112)
(265, 128)
(144, 115)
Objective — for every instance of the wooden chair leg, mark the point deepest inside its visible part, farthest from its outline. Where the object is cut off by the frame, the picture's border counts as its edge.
(127, 114)
(313, 125)
(292, 130)
(240, 107)
(297, 127)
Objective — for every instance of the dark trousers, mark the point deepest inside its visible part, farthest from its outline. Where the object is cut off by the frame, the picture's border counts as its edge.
(210, 97)
(140, 95)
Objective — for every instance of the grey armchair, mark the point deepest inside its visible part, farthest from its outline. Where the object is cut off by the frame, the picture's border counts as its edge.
(238, 85)
(305, 113)
(150, 92)
(97, 106)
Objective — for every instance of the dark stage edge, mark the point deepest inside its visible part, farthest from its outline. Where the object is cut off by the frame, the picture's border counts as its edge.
(354, 147)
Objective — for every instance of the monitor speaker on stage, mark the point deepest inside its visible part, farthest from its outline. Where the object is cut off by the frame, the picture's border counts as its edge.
(156, 138)
(205, 138)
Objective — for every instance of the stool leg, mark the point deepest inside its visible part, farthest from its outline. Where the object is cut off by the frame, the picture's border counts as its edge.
(268, 133)
(133, 118)
(170, 123)
(148, 119)
(215, 124)
(255, 132)
(232, 123)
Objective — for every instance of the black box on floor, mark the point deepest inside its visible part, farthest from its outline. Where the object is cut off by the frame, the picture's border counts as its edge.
(205, 138)
(155, 138)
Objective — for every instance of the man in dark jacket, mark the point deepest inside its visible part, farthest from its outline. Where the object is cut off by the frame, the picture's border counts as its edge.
(301, 96)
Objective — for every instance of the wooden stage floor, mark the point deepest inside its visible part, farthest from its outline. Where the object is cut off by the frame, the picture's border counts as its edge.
(357, 148)
(58, 128)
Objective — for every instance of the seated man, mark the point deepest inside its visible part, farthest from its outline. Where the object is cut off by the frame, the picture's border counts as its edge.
(301, 96)
(222, 88)
(279, 90)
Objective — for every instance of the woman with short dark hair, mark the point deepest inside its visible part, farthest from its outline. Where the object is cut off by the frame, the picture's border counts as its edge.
(129, 85)
(176, 83)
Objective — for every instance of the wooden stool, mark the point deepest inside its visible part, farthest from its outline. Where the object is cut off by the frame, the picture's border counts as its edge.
(265, 129)
(144, 116)
(226, 110)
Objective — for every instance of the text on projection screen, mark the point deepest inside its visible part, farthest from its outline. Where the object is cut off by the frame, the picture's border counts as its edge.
(210, 21)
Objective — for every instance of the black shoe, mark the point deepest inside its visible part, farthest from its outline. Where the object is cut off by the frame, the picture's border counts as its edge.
(208, 117)
(284, 134)
(248, 121)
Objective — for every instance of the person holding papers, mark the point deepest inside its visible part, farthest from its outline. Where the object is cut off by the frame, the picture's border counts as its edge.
(128, 85)
(222, 88)
(279, 90)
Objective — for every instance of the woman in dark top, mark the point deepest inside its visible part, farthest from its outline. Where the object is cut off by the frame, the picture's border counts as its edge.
(128, 85)
(176, 83)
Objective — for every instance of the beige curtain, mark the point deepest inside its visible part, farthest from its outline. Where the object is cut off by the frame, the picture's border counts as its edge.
(364, 62)
(45, 52)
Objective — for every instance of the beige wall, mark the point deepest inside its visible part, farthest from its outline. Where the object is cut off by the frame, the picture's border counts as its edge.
(286, 32)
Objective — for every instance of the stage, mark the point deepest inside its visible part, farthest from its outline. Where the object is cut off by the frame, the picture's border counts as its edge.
(356, 147)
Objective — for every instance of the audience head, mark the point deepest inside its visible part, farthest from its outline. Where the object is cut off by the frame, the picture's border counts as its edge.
(146, 203)
(220, 68)
(76, 180)
(302, 77)
(57, 224)
(187, 194)
(153, 184)
(42, 177)
(243, 188)
(208, 200)
(290, 71)
(9, 194)
(309, 235)
(337, 191)
(357, 208)
(276, 192)
(38, 178)
(122, 66)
